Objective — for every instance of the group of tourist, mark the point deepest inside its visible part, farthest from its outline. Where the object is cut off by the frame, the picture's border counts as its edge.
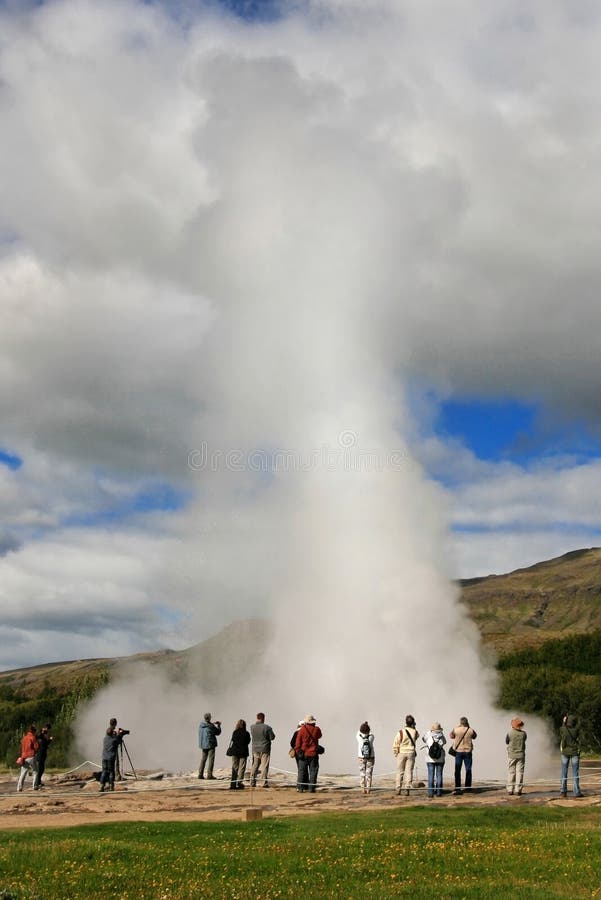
(32, 760)
(306, 750)
(304, 747)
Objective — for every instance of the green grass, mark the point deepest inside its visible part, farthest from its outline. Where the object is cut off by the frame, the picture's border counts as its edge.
(420, 852)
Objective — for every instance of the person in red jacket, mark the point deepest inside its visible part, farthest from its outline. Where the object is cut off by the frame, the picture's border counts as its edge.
(307, 754)
(29, 748)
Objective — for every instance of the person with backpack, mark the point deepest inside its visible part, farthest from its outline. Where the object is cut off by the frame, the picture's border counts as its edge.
(463, 736)
(516, 757)
(403, 748)
(435, 740)
(367, 757)
(569, 746)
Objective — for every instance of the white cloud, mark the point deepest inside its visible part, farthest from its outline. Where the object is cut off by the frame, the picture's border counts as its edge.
(250, 236)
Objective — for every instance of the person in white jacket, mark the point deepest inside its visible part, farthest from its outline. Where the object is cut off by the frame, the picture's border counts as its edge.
(367, 757)
(435, 740)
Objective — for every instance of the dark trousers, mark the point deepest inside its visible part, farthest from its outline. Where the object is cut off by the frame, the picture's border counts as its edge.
(307, 773)
(466, 760)
(40, 771)
(108, 772)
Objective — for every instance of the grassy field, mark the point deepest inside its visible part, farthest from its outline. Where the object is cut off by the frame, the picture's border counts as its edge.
(419, 852)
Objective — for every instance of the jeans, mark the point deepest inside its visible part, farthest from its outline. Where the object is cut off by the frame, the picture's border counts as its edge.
(435, 778)
(466, 760)
(207, 758)
(565, 762)
(108, 773)
(28, 767)
(307, 774)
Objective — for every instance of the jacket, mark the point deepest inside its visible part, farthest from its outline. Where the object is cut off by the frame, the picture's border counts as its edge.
(207, 735)
(435, 737)
(110, 745)
(29, 745)
(463, 738)
(569, 737)
(262, 736)
(307, 739)
(404, 741)
(361, 738)
(239, 743)
(516, 744)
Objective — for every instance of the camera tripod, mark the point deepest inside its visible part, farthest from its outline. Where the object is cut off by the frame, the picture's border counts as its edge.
(124, 749)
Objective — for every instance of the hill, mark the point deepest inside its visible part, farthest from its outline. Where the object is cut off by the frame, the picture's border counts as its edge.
(551, 599)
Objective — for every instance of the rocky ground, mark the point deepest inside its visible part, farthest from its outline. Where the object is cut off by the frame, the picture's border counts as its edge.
(74, 798)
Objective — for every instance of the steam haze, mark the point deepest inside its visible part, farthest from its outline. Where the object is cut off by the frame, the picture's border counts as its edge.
(229, 243)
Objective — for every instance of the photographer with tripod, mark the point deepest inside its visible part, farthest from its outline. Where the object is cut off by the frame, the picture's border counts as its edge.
(110, 747)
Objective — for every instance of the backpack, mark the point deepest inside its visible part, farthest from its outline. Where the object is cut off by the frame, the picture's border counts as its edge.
(366, 748)
(434, 750)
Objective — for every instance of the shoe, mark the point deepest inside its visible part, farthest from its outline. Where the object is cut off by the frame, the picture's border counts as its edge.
(112, 787)
(430, 796)
(211, 778)
(398, 792)
(563, 794)
(200, 776)
(233, 787)
(510, 793)
(101, 789)
(240, 786)
(458, 792)
(578, 796)
(439, 793)
(406, 792)
(266, 785)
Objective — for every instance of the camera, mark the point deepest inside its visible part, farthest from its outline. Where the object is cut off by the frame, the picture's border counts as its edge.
(123, 731)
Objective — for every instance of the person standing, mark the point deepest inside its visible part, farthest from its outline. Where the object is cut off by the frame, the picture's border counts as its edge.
(29, 748)
(44, 741)
(110, 747)
(367, 756)
(262, 735)
(463, 736)
(118, 775)
(238, 750)
(403, 748)
(307, 753)
(569, 746)
(207, 741)
(516, 757)
(435, 740)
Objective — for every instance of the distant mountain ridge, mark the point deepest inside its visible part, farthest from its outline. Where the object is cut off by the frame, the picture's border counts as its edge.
(551, 599)
(524, 608)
